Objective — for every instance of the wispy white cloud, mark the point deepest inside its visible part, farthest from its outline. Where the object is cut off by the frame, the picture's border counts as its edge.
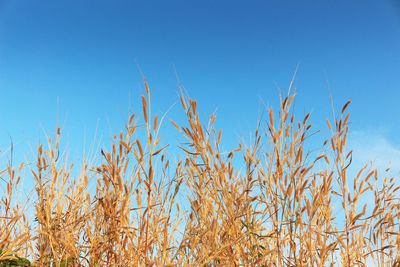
(375, 147)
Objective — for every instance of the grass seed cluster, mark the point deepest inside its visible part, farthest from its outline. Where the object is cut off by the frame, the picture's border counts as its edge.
(282, 205)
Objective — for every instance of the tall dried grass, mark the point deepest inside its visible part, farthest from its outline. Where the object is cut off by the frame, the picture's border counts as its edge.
(276, 208)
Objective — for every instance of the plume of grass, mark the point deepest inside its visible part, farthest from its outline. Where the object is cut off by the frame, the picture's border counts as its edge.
(270, 202)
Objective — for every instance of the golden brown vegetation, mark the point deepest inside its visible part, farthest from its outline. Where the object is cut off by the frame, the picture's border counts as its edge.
(275, 209)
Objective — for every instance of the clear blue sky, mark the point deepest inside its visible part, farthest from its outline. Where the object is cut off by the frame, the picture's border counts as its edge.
(228, 55)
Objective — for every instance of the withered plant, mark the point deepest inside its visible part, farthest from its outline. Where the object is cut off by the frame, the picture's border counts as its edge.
(270, 202)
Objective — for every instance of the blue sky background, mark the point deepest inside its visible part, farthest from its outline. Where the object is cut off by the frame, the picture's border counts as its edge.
(80, 56)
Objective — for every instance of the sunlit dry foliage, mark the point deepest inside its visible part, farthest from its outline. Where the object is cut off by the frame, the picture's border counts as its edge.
(270, 202)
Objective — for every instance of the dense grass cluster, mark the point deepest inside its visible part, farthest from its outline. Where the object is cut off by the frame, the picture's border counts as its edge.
(267, 203)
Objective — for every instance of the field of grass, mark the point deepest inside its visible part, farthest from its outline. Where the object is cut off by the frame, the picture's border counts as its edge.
(270, 202)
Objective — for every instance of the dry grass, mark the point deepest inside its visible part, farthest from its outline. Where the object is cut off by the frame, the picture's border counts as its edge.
(276, 208)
